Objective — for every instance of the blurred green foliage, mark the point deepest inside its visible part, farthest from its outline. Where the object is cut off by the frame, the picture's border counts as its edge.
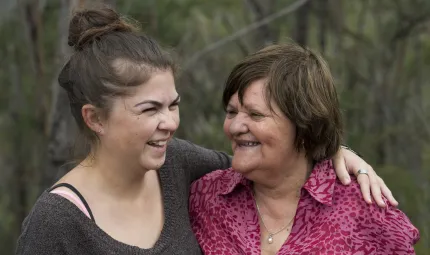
(379, 52)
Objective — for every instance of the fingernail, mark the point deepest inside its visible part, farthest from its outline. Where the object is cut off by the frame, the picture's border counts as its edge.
(347, 180)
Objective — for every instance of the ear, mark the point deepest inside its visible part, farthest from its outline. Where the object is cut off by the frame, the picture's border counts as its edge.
(93, 118)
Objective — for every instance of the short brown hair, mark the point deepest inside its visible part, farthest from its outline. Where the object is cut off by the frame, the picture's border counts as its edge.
(300, 83)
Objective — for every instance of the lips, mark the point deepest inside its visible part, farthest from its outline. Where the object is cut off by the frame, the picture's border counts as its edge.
(157, 143)
(244, 143)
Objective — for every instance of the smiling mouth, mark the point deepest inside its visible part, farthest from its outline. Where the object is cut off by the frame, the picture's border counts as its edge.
(158, 144)
(247, 144)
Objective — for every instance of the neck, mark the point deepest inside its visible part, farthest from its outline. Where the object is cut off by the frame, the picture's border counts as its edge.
(283, 193)
(119, 179)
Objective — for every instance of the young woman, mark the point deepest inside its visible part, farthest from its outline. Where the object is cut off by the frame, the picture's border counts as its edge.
(130, 195)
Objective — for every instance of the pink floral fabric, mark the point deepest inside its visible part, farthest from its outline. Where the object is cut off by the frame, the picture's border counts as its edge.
(331, 218)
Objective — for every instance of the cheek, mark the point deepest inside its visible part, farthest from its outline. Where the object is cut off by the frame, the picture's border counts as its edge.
(142, 127)
(273, 135)
(283, 138)
(226, 127)
(269, 137)
(289, 132)
(177, 118)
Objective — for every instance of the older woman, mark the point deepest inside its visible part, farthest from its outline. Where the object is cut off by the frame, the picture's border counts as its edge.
(281, 195)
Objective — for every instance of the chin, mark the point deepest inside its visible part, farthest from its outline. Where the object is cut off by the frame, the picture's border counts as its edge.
(153, 163)
(242, 167)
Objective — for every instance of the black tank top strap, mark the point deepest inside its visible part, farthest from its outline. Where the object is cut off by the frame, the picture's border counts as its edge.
(69, 186)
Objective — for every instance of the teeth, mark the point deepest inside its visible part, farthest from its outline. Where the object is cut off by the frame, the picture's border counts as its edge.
(157, 143)
(250, 144)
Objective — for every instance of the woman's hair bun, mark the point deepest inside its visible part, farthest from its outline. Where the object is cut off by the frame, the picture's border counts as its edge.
(90, 24)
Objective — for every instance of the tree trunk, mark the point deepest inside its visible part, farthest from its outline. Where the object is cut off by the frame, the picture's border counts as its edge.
(111, 3)
(62, 128)
(302, 24)
(336, 18)
(31, 13)
(323, 16)
(265, 35)
(19, 175)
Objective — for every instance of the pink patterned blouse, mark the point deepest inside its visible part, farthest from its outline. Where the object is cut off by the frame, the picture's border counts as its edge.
(331, 218)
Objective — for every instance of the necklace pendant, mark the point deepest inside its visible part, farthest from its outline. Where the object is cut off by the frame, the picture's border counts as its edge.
(270, 239)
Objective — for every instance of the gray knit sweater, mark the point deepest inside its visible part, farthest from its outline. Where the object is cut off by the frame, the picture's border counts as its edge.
(57, 226)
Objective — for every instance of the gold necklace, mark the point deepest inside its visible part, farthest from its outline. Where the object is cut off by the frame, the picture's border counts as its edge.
(271, 234)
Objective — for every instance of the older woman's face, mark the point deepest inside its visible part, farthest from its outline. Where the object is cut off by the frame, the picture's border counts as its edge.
(260, 139)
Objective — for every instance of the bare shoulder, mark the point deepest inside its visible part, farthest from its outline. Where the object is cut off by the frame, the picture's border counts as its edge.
(77, 177)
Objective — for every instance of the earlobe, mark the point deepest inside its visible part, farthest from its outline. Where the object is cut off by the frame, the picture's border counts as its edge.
(91, 116)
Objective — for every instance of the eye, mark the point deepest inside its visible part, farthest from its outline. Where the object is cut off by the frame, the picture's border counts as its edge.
(256, 115)
(230, 113)
(149, 110)
(174, 106)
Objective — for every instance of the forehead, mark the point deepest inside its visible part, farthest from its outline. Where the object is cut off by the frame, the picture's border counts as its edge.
(256, 89)
(255, 92)
(255, 96)
(160, 87)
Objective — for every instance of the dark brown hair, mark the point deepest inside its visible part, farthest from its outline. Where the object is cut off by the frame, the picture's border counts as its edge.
(300, 83)
(110, 56)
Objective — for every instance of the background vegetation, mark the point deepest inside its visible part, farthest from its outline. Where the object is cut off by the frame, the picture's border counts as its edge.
(379, 51)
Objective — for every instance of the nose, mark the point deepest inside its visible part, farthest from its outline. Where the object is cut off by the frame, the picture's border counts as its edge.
(238, 125)
(169, 121)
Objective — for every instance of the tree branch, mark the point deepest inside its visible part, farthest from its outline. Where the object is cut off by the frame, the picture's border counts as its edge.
(260, 11)
(213, 46)
(410, 25)
(240, 43)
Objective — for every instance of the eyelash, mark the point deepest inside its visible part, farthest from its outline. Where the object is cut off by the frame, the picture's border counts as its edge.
(254, 115)
(174, 105)
(149, 109)
(230, 113)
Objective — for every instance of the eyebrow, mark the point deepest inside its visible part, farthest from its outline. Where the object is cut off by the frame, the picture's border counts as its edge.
(249, 106)
(156, 103)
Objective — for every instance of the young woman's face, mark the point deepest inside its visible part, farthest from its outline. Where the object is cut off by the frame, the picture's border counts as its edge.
(140, 125)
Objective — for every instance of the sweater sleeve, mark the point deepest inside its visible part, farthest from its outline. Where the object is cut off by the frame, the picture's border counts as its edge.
(44, 231)
(198, 161)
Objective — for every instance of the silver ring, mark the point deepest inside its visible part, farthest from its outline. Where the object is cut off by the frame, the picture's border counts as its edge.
(362, 171)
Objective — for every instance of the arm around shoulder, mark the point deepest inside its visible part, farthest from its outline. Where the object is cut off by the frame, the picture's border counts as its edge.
(197, 160)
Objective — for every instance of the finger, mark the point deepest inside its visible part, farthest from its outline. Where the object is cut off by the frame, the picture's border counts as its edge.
(386, 192)
(363, 180)
(375, 187)
(340, 168)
